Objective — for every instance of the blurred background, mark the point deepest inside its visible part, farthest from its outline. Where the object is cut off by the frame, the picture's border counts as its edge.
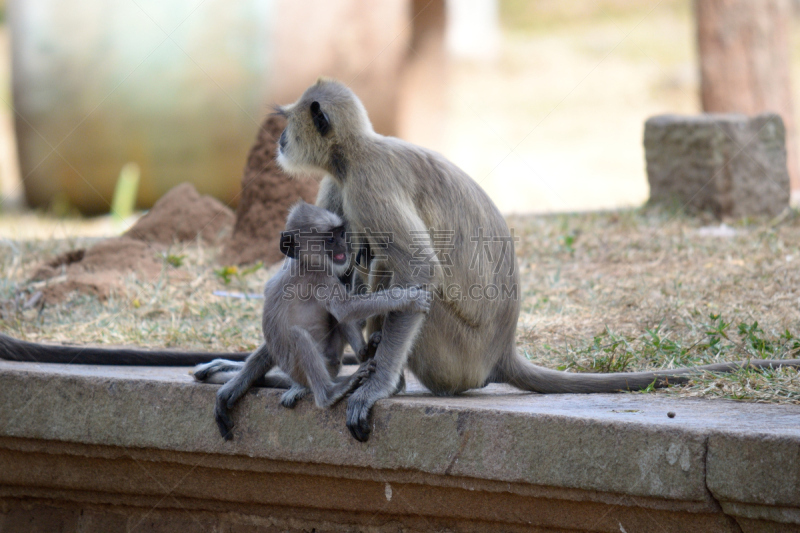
(542, 102)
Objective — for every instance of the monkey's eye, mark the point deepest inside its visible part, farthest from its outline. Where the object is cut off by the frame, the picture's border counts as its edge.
(330, 240)
(342, 235)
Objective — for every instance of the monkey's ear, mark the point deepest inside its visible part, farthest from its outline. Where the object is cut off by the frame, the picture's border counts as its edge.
(289, 244)
(320, 119)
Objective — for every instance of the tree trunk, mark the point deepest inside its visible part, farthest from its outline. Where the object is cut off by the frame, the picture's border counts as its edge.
(423, 98)
(744, 62)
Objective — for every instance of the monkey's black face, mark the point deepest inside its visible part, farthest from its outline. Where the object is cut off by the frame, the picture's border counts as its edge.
(317, 238)
(312, 247)
(336, 246)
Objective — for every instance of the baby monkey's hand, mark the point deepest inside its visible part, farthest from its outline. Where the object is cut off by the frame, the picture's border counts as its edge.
(419, 300)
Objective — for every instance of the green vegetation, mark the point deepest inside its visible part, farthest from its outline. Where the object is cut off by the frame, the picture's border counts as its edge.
(175, 260)
(230, 273)
(125, 192)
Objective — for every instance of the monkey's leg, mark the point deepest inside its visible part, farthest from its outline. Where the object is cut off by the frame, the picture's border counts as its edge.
(399, 332)
(352, 334)
(290, 398)
(221, 371)
(255, 367)
(206, 371)
(311, 365)
(333, 349)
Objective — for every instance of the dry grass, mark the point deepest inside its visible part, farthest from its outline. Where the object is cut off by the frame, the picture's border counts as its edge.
(615, 291)
(176, 310)
(645, 289)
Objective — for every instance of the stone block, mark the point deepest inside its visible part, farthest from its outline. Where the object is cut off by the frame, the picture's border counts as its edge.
(730, 164)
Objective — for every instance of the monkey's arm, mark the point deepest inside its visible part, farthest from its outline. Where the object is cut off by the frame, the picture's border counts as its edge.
(362, 306)
(412, 262)
(12, 349)
(256, 365)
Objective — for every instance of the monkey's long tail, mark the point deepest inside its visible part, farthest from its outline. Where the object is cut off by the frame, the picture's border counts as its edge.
(524, 375)
(12, 349)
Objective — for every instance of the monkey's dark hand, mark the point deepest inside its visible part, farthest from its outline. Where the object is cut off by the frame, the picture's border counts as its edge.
(369, 349)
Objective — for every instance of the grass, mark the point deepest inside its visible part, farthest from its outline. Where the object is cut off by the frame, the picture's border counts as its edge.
(176, 310)
(601, 292)
(643, 289)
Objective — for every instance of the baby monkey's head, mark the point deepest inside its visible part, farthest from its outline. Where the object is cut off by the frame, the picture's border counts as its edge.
(316, 238)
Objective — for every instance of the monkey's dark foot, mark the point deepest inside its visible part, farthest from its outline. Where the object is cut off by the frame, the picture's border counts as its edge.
(227, 396)
(358, 415)
(201, 372)
(290, 398)
(347, 385)
(364, 372)
(369, 349)
(206, 371)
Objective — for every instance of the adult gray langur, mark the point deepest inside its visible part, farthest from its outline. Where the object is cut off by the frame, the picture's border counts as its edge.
(429, 225)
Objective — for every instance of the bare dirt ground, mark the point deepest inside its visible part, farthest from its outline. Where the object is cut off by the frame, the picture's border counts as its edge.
(613, 291)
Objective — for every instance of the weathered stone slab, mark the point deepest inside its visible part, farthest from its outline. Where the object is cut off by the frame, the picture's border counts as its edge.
(92, 446)
(771, 467)
(730, 164)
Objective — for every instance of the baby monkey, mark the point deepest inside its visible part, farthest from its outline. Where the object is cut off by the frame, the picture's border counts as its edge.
(308, 316)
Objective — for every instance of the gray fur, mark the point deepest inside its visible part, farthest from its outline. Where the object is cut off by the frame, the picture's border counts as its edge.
(384, 184)
(308, 316)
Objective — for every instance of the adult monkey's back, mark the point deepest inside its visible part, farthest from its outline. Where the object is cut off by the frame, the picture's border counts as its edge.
(430, 224)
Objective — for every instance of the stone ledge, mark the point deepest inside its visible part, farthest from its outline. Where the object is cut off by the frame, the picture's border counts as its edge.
(120, 441)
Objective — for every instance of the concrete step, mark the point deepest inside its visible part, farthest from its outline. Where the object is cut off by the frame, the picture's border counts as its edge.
(112, 448)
